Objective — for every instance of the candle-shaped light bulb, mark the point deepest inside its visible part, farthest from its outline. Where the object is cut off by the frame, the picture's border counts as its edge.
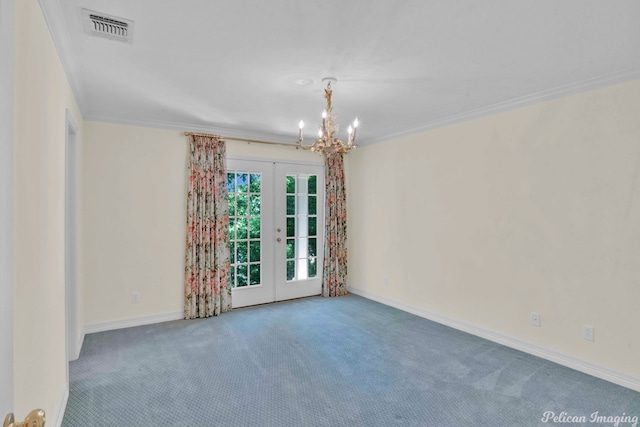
(324, 120)
(301, 125)
(355, 126)
(320, 133)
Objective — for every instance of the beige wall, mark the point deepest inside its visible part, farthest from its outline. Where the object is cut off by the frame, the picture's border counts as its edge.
(133, 221)
(531, 210)
(42, 97)
(134, 218)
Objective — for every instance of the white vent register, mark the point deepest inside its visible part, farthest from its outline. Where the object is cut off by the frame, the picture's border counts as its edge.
(107, 26)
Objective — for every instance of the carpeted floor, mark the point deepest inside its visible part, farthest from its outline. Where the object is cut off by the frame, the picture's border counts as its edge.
(318, 361)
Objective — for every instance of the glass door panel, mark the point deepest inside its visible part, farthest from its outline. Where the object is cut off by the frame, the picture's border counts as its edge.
(299, 262)
(250, 198)
(245, 226)
(302, 218)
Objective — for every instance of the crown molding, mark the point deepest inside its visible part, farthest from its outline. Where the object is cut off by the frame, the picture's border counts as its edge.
(196, 128)
(534, 98)
(58, 29)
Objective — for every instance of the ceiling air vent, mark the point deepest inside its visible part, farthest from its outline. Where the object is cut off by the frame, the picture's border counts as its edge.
(107, 26)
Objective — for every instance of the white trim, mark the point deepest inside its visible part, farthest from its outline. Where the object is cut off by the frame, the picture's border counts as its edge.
(60, 34)
(62, 407)
(7, 136)
(71, 237)
(191, 127)
(534, 98)
(546, 95)
(623, 379)
(134, 321)
(512, 104)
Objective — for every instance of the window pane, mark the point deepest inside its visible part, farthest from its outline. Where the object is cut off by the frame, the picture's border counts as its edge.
(241, 228)
(241, 205)
(254, 204)
(232, 228)
(242, 181)
(291, 184)
(242, 252)
(231, 199)
(300, 208)
(232, 252)
(313, 267)
(254, 228)
(254, 183)
(231, 182)
(291, 205)
(312, 246)
(291, 248)
(291, 227)
(291, 270)
(312, 226)
(241, 273)
(312, 184)
(312, 205)
(254, 251)
(254, 270)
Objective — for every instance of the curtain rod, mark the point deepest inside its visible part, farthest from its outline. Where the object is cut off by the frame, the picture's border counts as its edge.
(257, 141)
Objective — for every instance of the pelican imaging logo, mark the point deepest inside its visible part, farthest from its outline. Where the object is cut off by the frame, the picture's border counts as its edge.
(594, 418)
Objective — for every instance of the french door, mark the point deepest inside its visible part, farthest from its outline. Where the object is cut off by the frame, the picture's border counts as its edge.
(276, 230)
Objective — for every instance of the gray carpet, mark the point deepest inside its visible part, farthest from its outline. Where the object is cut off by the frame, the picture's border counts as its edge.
(342, 361)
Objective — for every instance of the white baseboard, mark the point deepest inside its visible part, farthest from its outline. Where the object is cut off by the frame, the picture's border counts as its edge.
(131, 322)
(62, 406)
(626, 380)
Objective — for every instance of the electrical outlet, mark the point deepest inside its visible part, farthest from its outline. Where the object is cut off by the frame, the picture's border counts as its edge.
(587, 332)
(135, 297)
(385, 281)
(535, 319)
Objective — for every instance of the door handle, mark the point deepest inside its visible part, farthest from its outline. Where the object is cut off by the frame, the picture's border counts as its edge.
(34, 419)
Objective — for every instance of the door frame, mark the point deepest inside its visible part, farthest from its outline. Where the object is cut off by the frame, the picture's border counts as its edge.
(7, 135)
(71, 237)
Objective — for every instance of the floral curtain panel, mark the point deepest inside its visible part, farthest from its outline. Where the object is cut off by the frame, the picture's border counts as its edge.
(207, 290)
(335, 253)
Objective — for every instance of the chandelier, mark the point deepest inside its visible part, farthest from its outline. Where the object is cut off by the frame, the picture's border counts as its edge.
(327, 142)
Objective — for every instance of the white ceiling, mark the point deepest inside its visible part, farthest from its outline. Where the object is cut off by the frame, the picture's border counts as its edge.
(232, 67)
